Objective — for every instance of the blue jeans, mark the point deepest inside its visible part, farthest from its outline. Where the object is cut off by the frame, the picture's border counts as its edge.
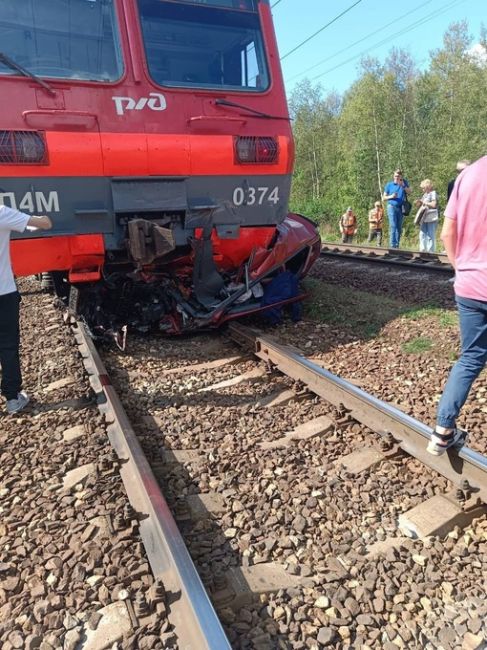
(394, 213)
(473, 333)
(427, 234)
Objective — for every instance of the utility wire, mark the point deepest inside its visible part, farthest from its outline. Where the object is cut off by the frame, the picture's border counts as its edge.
(348, 47)
(321, 29)
(275, 3)
(426, 19)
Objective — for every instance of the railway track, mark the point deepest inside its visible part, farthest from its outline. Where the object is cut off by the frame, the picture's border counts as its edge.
(242, 567)
(286, 507)
(465, 468)
(193, 618)
(391, 256)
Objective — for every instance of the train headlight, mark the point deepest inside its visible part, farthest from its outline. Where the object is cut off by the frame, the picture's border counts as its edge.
(23, 148)
(256, 150)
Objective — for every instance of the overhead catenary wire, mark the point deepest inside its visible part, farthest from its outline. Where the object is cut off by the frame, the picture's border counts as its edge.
(275, 3)
(411, 27)
(306, 40)
(361, 40)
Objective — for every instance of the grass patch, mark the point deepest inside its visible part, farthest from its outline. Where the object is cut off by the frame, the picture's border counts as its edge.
(329, 232)
(364, 313)
(418, 345)
(445, 317)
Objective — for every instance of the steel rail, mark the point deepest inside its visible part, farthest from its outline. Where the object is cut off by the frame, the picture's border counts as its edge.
(394, 256)
(409, 434)
(190, 610)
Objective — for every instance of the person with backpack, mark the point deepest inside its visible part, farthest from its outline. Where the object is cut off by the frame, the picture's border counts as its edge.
(396, 194)
(429, 217)
(348, 226)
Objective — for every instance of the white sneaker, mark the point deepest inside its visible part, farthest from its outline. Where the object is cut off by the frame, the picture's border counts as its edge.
(16, 405)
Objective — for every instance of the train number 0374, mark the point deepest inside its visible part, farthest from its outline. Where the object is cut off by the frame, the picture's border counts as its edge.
(255, 195)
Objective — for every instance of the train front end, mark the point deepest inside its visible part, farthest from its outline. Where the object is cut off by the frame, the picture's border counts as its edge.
(155, 133)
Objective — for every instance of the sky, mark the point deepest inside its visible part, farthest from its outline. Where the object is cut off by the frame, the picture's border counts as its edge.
(379, 25)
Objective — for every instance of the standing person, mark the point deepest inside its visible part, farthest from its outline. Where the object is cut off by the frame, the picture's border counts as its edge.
(429, 222)
(461, 164)
(348, 226)
(11, 385)
(395, 193)
(464, 235)
(376, 221)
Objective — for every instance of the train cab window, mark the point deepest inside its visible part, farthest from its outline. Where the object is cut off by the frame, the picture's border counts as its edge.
(61, 39)
(218, 44)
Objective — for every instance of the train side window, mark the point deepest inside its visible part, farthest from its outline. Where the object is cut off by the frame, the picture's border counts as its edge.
(63, 39)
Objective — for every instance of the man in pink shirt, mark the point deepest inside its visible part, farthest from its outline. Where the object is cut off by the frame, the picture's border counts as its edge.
(464, 235)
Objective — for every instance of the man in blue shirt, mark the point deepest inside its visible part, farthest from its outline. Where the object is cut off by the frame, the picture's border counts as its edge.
(395, 193)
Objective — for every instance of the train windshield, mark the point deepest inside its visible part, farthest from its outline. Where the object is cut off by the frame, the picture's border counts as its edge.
(214, 45)
(65, 39)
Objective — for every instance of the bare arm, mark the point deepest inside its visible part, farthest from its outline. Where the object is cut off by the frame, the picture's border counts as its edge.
(42, 222)
(449, 239)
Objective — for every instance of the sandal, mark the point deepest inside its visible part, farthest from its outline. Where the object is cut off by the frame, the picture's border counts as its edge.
(440, 443)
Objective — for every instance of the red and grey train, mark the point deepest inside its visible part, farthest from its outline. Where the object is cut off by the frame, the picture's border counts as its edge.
(156, 135)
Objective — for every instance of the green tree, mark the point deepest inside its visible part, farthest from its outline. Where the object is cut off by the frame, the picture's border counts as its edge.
(392, 116)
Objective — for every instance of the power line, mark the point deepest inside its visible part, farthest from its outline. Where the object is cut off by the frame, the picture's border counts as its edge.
(426, 19)
(275, 3)
(376, 31)
(321, 29)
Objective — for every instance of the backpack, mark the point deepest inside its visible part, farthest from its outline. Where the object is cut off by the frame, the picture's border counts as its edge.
(284, 286)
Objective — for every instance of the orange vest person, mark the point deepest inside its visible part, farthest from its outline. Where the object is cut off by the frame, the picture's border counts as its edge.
(376, 220)
(348, 226)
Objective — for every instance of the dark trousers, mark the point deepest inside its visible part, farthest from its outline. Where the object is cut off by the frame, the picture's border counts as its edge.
(347, 239)
(9, 345)
(375, 233)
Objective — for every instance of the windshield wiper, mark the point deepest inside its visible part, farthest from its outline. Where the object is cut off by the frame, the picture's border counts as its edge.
(16, 66)
(225, 102)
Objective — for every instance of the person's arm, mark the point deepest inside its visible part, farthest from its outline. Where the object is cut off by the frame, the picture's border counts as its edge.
(386, 196)
(42, 222)
(449, 238)
(16, 221)
(407, 189)
(433, 202)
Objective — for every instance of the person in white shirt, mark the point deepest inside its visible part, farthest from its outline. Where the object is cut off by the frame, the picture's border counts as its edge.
(11, 385)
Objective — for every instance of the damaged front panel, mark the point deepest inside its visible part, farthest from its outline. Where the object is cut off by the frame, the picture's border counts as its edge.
(193, 290)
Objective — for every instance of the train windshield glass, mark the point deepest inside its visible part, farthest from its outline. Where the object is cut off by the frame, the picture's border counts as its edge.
(203, 46)
(65, 39)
